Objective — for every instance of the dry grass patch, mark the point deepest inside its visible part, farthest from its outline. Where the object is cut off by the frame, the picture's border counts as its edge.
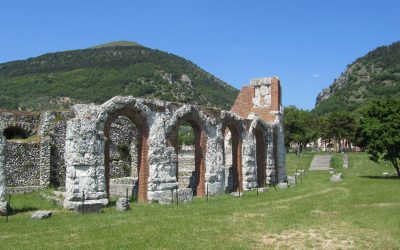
(332, 236)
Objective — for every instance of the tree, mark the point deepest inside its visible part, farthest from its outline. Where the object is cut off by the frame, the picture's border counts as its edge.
(339, 125)
(299, 128)
(379, 131)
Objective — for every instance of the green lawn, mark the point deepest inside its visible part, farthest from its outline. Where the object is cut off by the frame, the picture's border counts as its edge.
(361, 212)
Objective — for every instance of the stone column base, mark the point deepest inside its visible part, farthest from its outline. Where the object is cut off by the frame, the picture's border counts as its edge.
(95, 199)
(89, 205)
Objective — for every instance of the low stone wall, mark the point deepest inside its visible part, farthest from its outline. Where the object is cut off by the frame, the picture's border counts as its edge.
(22, 163)
(186, 168)
(119, 186)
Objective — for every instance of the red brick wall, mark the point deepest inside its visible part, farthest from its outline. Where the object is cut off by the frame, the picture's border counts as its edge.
(243, 105)
(244, 101)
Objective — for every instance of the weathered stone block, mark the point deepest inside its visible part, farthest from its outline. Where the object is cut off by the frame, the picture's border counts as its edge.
(88, 207)
(237, 194)
(122, 204)
(40, 215)
(291, 180)
(184, 195)
(337, 178)
(282, 185)
(4, 208)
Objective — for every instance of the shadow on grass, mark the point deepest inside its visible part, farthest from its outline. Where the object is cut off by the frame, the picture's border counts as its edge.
(393, 177)
(14, 211)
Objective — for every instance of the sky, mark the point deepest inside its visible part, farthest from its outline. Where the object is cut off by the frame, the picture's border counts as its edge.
(306, 43)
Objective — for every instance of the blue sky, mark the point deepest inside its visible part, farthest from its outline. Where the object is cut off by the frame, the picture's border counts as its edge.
(306, 43)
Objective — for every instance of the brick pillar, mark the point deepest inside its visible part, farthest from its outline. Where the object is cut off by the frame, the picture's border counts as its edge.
(200, 160)
(143, 170)
(275, 94)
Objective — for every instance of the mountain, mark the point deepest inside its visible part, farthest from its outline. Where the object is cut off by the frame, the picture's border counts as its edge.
(116, 44)
(375, 75)
(59, 80)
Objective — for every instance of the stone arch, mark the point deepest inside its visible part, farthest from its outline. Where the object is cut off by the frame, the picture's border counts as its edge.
(197, 120)
(19, 131)
(137, 112)
(258, 130)
(236, 128)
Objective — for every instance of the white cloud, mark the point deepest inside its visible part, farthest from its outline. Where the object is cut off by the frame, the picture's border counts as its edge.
(316, 75)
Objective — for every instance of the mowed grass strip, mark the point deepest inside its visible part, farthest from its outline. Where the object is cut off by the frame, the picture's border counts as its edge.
(360, 212)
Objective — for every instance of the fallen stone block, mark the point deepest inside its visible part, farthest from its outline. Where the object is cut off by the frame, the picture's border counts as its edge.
(237, 194)
(4, 208)
(184, 195)
(283, 185)
(263, 189)
(122, 204)
(301, 171)
(40, 215)
(291, 180)
(337, 177)
(89, 207)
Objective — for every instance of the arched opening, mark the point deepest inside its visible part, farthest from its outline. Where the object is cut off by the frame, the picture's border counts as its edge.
(232, 157)
(260, 156)
(125, 154)
(15, 133)
(197, 176)
(186, 171)
(123, 158)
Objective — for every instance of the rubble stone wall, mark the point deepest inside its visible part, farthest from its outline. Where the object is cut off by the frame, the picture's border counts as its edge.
(22, 164)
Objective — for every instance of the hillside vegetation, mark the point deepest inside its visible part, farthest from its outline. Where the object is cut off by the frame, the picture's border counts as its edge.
(370, 77)
(58, 80)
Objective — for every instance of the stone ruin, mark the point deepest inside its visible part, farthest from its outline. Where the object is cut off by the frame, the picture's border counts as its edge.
(128, 143)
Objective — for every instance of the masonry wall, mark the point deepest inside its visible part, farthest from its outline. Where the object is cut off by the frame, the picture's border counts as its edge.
(52, 130)
(28, 121)
(244, 104)
(123, 149)
(22, 164)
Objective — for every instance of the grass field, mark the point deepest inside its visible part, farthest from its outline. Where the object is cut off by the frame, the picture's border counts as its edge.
(363, 211)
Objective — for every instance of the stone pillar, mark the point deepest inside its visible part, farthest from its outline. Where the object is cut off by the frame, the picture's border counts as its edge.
(84, 158)
(3, 180)
(249, 166)
(281, 153)
(215, 171)
(270, 156)
(45, 162)
(162, 163)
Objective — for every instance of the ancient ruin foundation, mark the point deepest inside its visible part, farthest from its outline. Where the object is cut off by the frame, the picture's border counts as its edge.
(132, 143)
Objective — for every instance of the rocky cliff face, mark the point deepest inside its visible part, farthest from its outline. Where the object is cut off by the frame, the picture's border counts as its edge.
(373, 76)
(335, 86)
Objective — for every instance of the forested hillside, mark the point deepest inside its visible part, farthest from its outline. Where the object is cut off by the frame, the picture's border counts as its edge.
(59, 80)
(373, 76)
